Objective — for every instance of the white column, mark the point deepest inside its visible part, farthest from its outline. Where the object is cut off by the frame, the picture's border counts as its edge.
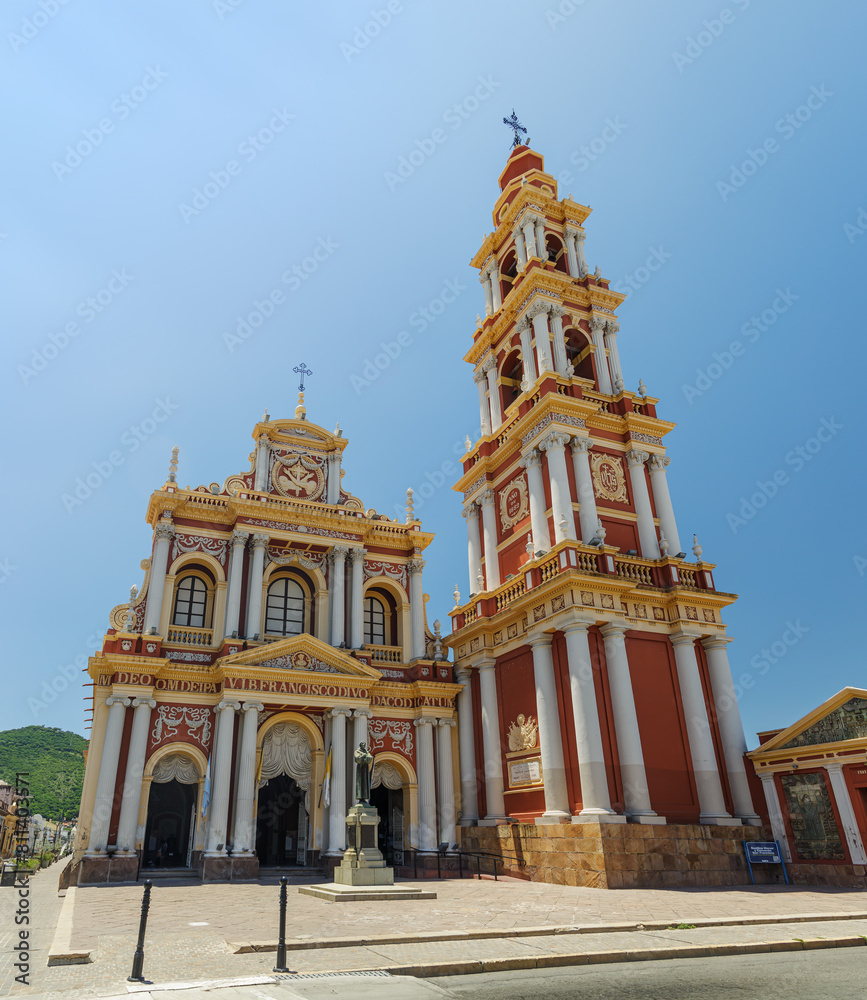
(427, 805)
(597, 328)
(445, 781)
(260, 480)
(243, 825)
(530, 239)
(416, 608)
(571, 255)
(218, 808)
(540, 239)
(582, 260)
(613, 356)
(337, 594)
(557, 808)
(646, 528)
(332, 486)
(587, 514)
(135, 762)
(847, 813)
(520, 250)
(775, 814)
(485, 280)
(491, 743)
(356, 557)
(495, 285)
(474, 556)
(104, 801)
(595, 799)
(484, 412)
(360, 719)
(164, 532)
(527, 351)
(554, 445)
(560, 359)
(467, 748)
(490, 370)
(635, 791)
(258, 545)
(489, 529)
(532, 462)
(539, 315)
(337, 819)
(662, 499)
(730, 727)
(236, 565)
(701, 748)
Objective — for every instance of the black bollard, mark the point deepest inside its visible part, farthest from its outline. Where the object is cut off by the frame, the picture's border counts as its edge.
(281, 944)
(138, 958)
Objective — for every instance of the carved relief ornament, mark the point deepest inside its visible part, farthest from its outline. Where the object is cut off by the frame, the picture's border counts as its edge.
(609, 480)
(514, 503)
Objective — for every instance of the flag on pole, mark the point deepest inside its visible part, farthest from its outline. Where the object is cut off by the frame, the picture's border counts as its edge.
(326, 784)
(206, 794)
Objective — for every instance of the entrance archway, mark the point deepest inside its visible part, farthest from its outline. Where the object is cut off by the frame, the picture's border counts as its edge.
(283, 805)
(386, 794)
(171, 813)
(281, 823)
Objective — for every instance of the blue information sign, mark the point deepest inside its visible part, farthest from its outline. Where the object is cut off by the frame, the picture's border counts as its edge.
(764, 852)
(760, 852)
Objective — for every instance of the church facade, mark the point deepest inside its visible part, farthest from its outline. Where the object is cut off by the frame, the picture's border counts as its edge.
(588, 710)
(280, 624)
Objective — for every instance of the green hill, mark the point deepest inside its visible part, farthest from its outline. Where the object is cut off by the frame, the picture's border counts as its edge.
(54, 759)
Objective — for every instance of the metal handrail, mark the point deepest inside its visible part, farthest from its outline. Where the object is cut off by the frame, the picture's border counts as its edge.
(460, 854)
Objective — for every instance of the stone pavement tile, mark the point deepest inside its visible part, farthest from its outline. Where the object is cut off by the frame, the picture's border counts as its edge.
(44, 910)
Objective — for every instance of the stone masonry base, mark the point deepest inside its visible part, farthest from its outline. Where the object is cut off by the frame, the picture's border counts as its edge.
(620, 856)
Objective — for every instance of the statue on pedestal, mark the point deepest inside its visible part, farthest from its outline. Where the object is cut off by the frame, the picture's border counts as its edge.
(363, 771)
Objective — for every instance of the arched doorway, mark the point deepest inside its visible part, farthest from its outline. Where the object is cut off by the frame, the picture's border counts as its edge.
(283, 809)
(171, 814)
(281, 823)
(386, 794)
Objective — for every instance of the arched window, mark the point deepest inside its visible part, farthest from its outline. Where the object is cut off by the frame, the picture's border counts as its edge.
(191, 602)
(284, 613)
(374, 621)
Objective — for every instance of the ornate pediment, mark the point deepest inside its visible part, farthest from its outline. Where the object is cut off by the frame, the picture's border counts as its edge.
(847, 722)
(300, 653)
(841, 718)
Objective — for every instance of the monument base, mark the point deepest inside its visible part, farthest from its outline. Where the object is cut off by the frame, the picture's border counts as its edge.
(335, 893)
(363, 863)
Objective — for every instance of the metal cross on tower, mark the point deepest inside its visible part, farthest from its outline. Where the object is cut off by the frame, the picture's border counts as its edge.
(302, 370)
(517, 128)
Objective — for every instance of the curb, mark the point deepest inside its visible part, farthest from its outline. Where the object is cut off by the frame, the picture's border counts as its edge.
(473, 966)
(61, 952)
(309, 944)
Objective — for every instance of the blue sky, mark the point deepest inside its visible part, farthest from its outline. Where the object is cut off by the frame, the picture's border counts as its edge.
(291, 122)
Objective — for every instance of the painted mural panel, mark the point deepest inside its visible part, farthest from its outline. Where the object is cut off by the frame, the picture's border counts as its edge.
(848, 722)
(812, 818)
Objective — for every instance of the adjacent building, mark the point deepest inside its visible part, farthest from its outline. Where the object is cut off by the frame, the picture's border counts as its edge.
(814, 779)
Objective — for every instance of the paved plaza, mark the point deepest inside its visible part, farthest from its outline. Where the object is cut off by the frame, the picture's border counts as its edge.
(219, 931)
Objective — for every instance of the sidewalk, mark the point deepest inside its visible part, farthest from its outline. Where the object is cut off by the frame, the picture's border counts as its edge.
(207, 932)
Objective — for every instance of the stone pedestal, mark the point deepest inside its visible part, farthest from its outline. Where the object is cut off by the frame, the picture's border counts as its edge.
(363, 863)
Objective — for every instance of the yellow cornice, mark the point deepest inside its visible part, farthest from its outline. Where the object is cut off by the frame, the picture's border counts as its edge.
(301, 433)
(226, 510)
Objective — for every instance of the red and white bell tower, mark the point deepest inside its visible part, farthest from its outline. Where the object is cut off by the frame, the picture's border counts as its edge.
(592, 650)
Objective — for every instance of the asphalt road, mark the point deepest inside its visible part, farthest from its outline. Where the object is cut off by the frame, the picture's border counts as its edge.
(832, 974)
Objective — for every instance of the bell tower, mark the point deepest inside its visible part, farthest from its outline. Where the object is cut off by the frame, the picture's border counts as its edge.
(585, 616)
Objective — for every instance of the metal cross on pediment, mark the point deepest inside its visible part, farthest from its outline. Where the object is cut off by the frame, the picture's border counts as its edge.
(302, 370)
(517, 128)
